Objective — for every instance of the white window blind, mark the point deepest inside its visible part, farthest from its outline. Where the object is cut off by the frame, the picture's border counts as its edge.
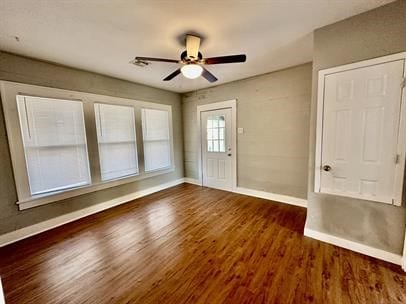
(156, 135)
(54, 140)
(117, 141)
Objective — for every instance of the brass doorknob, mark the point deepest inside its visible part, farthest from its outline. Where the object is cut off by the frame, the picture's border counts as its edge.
(326, 168)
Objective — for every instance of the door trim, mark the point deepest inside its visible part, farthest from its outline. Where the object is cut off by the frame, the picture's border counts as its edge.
(218, 106)
(401, 140)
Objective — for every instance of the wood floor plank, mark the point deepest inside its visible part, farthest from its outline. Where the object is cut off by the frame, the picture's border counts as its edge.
(190, 244)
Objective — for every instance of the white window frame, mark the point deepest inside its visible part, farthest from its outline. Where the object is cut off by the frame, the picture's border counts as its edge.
(219, 150)
(401, 140)
(9, 91)
(63, 188)
(149, 107)
(135, 140)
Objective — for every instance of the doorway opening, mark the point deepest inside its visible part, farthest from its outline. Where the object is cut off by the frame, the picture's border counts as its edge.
(218, 145)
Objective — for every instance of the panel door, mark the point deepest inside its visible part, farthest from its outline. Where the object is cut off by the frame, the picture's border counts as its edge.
(360, 127)
(217, 148)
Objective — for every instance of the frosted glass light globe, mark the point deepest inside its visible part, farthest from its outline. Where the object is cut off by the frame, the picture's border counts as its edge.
(191, 71)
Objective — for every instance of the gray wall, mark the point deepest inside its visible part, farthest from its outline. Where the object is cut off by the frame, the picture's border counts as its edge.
(274, 111)
(372, 34)
(25, 70)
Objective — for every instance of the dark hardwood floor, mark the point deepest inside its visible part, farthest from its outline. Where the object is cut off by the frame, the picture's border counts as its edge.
(193, 245)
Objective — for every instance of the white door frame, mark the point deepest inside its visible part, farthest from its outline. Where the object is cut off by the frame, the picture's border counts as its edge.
(218, 106)
(401, 146)
(404, 255)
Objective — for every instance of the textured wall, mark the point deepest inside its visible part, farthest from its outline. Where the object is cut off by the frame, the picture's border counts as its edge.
(20, 69)
(372, 34)
(274, 110)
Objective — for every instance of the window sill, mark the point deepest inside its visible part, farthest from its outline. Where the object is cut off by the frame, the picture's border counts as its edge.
(43, 199)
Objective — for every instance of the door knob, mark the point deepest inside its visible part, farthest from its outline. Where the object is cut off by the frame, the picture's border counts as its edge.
(326, 168)
(228, 154)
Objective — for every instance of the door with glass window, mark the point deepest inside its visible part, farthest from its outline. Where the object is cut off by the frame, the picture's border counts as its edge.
(217, 148)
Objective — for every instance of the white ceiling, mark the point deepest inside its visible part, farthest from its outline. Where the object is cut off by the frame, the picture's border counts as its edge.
(103, 36)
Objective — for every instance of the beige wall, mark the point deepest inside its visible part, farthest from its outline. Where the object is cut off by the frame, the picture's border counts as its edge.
(372, 34)
(274, 110)
(21, 69)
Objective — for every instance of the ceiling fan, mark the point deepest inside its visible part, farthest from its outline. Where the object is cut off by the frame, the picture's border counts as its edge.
(192, 61)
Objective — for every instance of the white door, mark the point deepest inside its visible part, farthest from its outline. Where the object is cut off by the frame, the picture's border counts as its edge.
(360, 127)
(217, 148)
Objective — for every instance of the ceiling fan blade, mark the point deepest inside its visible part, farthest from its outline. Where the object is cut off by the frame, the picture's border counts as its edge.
(156, 59)
(173, 75)
(226, 59)
(192, 46)
(209, 76)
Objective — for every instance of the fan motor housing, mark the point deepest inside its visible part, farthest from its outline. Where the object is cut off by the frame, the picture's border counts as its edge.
(185, 58)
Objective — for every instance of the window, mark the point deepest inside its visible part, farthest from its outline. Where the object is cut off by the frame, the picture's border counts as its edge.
(54, 142)
(66, 143)
(116, 139)
(156, 136)
(216, 134)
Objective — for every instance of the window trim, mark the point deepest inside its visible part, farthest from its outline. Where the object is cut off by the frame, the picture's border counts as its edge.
(9, 91)
(59, 189)
(135, 139)
(218, 139)
(171, 156)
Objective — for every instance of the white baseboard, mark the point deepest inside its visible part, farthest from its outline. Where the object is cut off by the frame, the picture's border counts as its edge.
(404, 263)
(2, 301)
(260, 194)
(354, 246)
(192, 181)
(273, 196)
(26, 232)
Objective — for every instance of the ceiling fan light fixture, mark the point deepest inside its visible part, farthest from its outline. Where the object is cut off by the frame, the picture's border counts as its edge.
(192, 61)
(191, 71)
